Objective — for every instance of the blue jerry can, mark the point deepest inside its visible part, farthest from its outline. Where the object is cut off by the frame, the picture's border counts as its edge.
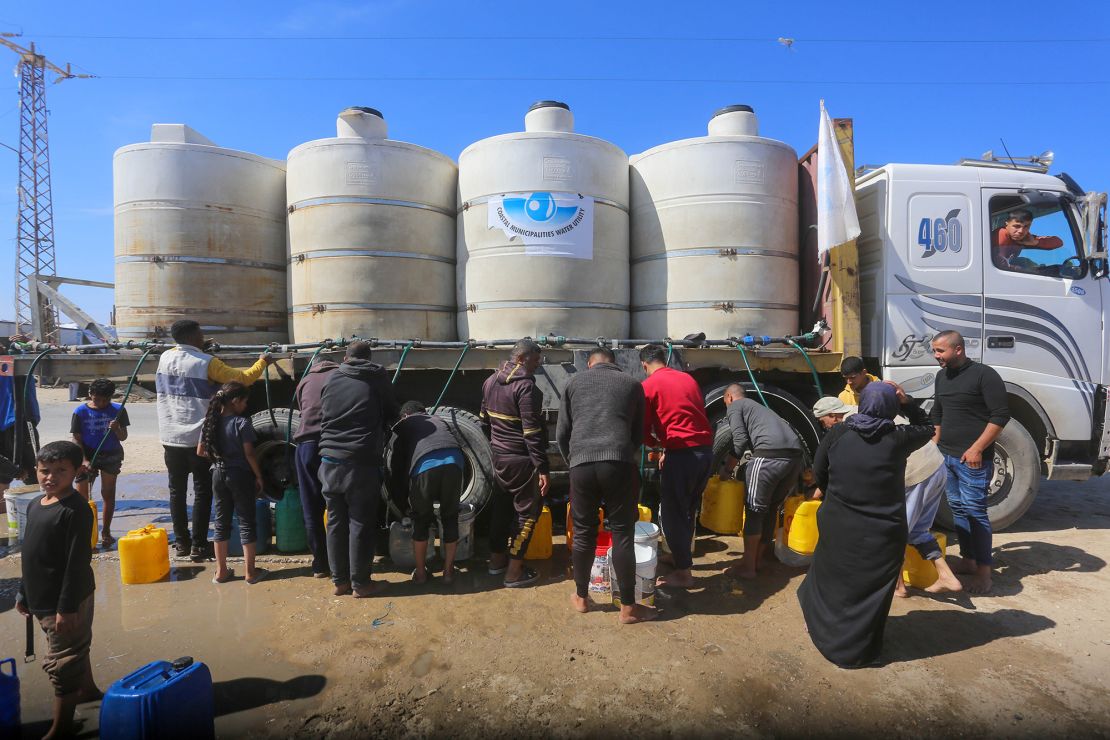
(9, 700)
(160, 700)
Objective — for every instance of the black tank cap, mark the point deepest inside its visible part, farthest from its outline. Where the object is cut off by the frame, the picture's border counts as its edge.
(734, 109)
(371, 111)
(548, 104)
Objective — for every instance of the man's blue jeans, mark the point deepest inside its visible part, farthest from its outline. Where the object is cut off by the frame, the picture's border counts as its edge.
(967, 497)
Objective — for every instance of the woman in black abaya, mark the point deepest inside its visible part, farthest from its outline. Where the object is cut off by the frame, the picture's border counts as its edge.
(860, 467)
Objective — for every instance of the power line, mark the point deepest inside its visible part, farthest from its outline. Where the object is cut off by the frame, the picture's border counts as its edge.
(634, 80)
(519, 38)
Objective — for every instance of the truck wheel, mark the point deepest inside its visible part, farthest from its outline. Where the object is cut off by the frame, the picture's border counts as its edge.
(478, 468)
(275, 456)
(1017, 475)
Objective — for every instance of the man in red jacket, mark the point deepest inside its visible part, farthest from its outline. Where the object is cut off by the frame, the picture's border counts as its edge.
(512, 418)
(674, 415)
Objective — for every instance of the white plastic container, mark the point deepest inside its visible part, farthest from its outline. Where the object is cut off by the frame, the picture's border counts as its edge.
(646, 564)
(543, 232)
(200, 234)
(17, 504)
(648, 534)
(371, 235)
(400, 544)
(714, 233)
(465, 547)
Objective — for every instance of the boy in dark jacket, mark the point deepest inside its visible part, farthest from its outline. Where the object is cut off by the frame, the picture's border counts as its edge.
(307, 439)
(428, 463)
(58, 584)
(512, 418)
(357, 407)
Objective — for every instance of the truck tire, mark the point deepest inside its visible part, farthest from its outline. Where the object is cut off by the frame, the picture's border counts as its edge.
(478, 469)
(275, 456)
(1017, 475)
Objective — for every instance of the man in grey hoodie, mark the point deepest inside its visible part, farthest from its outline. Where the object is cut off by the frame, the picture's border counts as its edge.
(770, 476)
(307, 439)
(600, 429)
(357, 408)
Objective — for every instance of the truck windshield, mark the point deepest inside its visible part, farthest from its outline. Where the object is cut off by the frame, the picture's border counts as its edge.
(1035, 240)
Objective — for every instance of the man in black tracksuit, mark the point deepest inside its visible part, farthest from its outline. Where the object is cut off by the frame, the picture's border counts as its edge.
(601, 427)
(356, 408)
(512, 419)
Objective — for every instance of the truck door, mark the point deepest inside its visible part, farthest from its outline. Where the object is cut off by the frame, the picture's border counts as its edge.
(1042, 322)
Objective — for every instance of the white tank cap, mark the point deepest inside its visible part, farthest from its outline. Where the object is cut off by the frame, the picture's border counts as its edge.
(177, 133)
(549, 115)
(359, 122)
(734, 120)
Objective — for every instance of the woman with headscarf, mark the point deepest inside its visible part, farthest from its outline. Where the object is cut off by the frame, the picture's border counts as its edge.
(860, 468)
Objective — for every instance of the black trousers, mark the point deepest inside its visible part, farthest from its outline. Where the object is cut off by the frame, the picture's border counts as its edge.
(684, 476)
(181, 462)
(234, 493)
(616, 486)
(442, 484)
(516, 506)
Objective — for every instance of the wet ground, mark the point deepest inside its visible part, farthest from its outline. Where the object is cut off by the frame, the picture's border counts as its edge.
(290, 660)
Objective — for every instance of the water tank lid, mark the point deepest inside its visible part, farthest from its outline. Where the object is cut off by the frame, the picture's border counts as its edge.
(739, 108)
(548, 104)
(365, 109)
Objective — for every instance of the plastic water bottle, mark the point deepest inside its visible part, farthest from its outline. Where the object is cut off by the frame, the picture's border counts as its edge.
(601, 589)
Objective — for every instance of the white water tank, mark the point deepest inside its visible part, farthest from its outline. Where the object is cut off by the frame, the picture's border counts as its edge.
(200, 234)
(371, 236)
(715, 234)
(543, 232)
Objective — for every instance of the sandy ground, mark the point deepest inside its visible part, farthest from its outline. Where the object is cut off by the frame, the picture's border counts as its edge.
(289, 660)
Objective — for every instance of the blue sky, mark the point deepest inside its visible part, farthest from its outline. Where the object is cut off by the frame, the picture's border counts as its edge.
(925, 82)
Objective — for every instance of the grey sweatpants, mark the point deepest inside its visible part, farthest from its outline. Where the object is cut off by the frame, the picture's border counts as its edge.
(351, 491)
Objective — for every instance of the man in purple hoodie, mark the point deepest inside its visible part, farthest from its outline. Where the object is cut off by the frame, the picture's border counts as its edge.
(512, 418)
(307, 440)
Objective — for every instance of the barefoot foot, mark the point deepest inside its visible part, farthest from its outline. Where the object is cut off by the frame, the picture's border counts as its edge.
(580, 605)
(739, 570)
(635, 613)
(963, 566)
(978, 584)
(945, 583)
(675, 579)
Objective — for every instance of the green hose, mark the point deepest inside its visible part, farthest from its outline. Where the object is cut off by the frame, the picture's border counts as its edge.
(126, 395)
(670, 353)
(812, 369)
(269, 406)
(401, 362)
(752, 375)
(450, 377)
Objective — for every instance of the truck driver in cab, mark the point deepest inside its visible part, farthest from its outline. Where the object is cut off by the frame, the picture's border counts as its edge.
(1014, 236)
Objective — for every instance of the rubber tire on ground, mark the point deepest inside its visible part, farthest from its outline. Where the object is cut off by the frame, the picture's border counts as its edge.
(1015, 449)
(275, 456)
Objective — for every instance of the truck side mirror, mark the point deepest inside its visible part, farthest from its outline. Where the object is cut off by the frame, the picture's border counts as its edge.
(1094, 225)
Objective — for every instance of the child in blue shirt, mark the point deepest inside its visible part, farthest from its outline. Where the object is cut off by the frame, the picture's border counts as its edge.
(101, 423)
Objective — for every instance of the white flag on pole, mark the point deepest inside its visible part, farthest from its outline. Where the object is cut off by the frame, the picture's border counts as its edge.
(837, 222)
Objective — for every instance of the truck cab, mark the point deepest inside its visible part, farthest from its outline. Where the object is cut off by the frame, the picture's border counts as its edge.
(935, 254)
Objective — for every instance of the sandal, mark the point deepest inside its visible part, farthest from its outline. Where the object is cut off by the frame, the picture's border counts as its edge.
(225, 579)
(527, 578)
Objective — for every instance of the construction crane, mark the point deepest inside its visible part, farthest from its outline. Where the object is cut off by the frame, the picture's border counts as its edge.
(34, 251)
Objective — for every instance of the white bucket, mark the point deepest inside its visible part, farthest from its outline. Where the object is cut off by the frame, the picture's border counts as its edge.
(17, 504)
(788, 557)
(467, 515)
(648, 534)
(646, 562)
